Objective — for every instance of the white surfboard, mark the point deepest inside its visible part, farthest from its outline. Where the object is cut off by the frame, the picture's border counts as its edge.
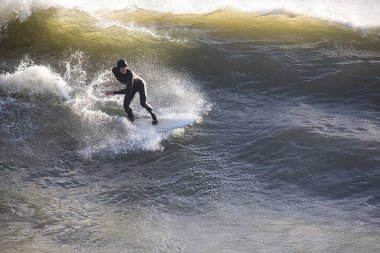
(164, 124)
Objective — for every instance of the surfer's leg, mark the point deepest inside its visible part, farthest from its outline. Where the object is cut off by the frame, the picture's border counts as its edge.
(143, 103)
(127, 108)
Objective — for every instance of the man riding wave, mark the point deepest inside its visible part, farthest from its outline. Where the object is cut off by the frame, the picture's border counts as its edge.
(134, 84)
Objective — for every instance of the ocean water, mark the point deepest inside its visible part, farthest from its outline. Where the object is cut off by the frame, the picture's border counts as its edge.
(283, 158)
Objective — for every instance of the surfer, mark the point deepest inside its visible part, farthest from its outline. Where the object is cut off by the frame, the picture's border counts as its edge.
(134, 84)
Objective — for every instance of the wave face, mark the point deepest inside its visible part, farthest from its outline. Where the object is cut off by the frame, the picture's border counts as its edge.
(284, 155)
(356, 13)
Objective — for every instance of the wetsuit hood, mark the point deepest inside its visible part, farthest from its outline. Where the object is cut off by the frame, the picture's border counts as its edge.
(121, 64)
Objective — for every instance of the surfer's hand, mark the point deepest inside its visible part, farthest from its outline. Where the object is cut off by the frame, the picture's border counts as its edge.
(110, 92)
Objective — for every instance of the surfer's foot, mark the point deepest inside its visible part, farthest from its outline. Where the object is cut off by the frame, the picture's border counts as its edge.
(154, 117)
(131, 119)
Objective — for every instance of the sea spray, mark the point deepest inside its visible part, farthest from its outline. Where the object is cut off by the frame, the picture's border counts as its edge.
(102, 128)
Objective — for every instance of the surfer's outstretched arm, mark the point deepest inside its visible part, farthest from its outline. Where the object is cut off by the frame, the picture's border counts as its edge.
(111, 92)
(123, 91)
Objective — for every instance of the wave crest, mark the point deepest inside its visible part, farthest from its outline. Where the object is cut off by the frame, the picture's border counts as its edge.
(360, 13)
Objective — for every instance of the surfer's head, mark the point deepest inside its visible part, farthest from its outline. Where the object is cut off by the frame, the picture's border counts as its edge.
(122, 65)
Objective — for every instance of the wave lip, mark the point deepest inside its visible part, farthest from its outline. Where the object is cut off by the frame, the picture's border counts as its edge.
(354, 13)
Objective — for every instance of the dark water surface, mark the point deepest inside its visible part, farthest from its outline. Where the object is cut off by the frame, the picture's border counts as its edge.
(284, 156)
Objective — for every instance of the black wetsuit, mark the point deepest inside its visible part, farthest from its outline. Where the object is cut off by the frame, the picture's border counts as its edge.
(134, 84)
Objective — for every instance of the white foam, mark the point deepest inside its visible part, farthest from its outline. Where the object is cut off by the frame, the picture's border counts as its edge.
(105, 129)
(34, 79)
(354, 13)
(102, 125)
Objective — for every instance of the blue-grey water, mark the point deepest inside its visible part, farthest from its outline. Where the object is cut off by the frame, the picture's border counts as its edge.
(284, 156)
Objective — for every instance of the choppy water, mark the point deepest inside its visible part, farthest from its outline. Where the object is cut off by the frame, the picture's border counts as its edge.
(284, 157)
